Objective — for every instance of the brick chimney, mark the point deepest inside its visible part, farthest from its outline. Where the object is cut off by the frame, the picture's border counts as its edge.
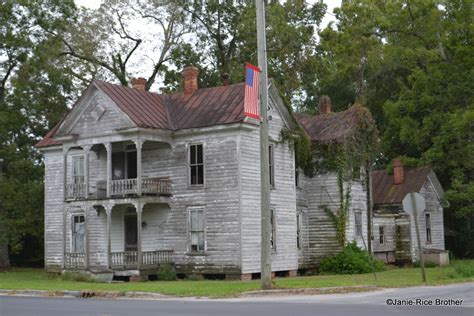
(190, 76)
(398, 174)
(138, 83)
(225, 79)
(324, 105)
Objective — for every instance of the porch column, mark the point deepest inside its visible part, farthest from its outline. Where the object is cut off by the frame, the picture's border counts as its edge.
(65, 151)
(108, 211)
(86, 236)
(139, 209)
(87, 150)
(65, 211)
(138, 144)
(108, 148)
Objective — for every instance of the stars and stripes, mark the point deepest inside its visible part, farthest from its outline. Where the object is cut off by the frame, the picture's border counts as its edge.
(252, 74)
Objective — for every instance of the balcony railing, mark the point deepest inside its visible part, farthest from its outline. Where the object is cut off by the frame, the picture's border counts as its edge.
(129, 259)
(75, 260)
(149, 186)
(119, 188)
(76, 191)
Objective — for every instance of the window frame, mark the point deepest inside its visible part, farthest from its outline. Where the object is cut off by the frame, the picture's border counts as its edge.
(358, 228)
(299, 225)
(428, 229)
(196, 164)
(72, 233)
(73, 174)
(271, 165)
(382, 234)
(273, 233)
(190, 231)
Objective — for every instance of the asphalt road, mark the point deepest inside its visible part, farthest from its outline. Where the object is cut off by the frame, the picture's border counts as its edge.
(352, 304)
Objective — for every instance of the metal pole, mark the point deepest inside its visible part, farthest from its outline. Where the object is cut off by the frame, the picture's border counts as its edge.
(266, 264)
(420, 251)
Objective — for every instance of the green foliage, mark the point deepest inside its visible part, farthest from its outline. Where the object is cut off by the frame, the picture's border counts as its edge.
(463, 269)
(428, 264)
(166, 272)
(351, 260)
(410, 63)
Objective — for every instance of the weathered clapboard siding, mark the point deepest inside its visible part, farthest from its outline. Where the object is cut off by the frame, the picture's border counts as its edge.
(322, 190)
(53, 215)
(111, 120)
(435, 210)
(283, 199)
(220, 198)
(387, 250)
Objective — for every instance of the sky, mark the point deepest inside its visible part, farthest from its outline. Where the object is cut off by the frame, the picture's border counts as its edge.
(94, 4)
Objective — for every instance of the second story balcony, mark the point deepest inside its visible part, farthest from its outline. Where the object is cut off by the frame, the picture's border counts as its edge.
(115, 170)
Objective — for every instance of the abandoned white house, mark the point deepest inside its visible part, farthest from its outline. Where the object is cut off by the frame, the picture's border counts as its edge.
(134, 179)
(394, 230)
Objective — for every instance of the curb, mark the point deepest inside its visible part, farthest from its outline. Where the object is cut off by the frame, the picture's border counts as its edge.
(157, 296)
(83, 294)
(312, 291)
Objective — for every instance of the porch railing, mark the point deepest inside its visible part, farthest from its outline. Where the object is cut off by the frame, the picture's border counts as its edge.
(128, 259)
(76, 191)
(125, 186)
(149, 186)
(75, 260)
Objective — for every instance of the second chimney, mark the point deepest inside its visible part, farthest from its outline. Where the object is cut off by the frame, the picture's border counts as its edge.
(190, 76)
(324, 105)
(398, 173)
(138, 83)
(225, 79)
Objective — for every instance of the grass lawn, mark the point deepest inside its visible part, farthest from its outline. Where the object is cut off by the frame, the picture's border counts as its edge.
(37, 279)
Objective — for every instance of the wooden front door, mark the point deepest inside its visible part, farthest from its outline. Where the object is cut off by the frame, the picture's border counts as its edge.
(131, 237)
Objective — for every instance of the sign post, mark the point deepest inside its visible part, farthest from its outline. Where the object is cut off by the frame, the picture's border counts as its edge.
(412, 203)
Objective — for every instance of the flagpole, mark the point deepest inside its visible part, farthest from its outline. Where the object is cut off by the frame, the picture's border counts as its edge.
(266, 265)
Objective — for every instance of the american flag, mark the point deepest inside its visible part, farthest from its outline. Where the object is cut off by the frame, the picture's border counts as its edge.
(251, 91)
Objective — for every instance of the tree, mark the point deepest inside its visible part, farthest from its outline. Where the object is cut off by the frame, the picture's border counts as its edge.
(106, 39)
(34, 94)
(408, 62)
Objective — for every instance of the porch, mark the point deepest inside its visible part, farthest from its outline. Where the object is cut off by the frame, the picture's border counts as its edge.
(124, 260)
(117, 235)
(128, 168)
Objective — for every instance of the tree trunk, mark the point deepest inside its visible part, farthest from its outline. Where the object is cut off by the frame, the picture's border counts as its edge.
(4, 258)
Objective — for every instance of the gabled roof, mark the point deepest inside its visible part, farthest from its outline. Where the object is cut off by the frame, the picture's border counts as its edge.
(334, 126)
(385, 192)
(205, 107)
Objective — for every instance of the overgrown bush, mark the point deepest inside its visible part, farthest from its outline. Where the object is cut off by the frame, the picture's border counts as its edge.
(166, 272)
(351, 260)
(463, 269)
(428, 264)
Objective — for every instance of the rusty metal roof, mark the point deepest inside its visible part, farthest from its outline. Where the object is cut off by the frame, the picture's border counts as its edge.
(385, 192)
(333, 126)
(205, 107)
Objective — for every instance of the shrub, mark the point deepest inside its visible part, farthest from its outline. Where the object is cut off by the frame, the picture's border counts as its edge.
(351, 260)
(464, 269)
(428, 264)
(166, 272)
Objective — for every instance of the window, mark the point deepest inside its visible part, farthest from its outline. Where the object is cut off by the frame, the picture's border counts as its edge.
(196, 164)
(78, 170)
(273, 233)
(381, 234)
(298, 229)
(428, 227)
(271, 165)
(196, 229)
(78, 222)
(358, 223)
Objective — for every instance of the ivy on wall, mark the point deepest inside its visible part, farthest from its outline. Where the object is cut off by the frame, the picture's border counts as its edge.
(354, 145)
